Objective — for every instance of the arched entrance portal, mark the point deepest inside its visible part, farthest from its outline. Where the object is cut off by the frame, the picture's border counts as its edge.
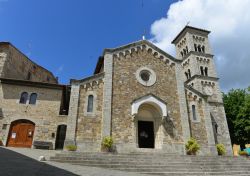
(149, 128)
(60, 136)
(21, 133)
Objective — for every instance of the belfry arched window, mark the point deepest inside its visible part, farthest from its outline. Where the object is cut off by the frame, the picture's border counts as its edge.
(189, 73)
(195, 47)
(203, 49)
(202, 71)
(199, 48)
(206, 71)
(181, 53)
(23, 98)
(90, 103)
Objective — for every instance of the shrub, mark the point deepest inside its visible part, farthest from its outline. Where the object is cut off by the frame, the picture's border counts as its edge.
(107, 143)
(71, 147)
(192, 146)
(221, 149)
(243, 153)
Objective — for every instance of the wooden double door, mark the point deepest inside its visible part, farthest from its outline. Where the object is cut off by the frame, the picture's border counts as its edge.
(21, 134)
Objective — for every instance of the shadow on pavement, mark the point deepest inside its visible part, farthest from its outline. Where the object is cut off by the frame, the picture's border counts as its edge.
(15, 164)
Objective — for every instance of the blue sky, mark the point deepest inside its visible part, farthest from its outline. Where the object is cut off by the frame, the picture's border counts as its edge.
(68, 36)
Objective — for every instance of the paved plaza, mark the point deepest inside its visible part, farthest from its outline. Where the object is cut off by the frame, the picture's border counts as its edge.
(24, 162)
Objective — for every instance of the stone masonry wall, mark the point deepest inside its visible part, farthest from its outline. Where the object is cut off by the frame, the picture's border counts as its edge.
(198, 127)
(126, 88)
(89, 126)
(15, 65)
(45, 113)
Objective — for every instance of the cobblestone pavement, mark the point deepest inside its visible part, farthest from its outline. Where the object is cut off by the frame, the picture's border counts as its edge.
(24, 162)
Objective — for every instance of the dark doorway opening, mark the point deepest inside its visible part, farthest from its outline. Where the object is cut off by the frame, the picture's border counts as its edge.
(146, 134)
(60, 136)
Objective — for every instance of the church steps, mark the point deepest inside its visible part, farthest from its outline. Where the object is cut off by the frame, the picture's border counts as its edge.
(170, 157)
(122, 166)
(185, 159)
(160, 164)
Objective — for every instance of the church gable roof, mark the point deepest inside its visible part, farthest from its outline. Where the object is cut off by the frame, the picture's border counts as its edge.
(142, 44)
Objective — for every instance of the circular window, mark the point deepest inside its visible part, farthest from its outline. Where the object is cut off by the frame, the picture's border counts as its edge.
(146, 76)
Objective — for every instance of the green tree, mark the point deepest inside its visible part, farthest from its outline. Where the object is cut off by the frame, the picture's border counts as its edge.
(237, 108)
(242, 124)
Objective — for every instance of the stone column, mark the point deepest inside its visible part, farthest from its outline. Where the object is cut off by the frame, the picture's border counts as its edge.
(182, 103)
(107, 95)
(209, 129)
(72, 117)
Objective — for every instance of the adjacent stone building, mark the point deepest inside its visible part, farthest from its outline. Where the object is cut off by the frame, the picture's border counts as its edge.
(146, 99)
(31, 100)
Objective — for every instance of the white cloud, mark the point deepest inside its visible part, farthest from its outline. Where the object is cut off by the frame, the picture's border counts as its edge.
(229, 22)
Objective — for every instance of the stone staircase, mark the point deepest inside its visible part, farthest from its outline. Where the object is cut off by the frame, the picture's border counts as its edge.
(160, 164)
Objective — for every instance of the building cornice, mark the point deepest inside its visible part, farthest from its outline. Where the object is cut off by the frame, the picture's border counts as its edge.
(195, 92)
(216, 103)
(96, 77)
(195, 53)
(208, 78)
(31, 83)
(134, 47)
(189, 29)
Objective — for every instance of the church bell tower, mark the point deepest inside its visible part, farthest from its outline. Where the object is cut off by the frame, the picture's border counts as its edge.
(193, 49)
(199, 73)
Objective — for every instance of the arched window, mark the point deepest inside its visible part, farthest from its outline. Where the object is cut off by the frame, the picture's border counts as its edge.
(189, 73)
(206, 71)
(195, 47)
(182, 54)
(199, 48)
(187, 49)
(194, 112)
(33, 98)
(90, 103)
(23, 98)
(215, 129)
(202, 72)
(203, 49)
(185, 52)
(186, 74)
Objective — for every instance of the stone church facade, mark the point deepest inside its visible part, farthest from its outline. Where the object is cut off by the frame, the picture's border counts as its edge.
(146, 99)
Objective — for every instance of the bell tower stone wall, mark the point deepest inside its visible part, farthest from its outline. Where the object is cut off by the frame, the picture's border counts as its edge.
(193, 49)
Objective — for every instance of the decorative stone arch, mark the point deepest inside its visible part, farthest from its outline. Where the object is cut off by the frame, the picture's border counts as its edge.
(149, 109)
(152, 100)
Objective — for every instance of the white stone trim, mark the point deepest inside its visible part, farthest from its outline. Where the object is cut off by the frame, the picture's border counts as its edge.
(73, 112)
(152, 78)
(182, 103)
(107, 95)
(150, 100)
(93, 113)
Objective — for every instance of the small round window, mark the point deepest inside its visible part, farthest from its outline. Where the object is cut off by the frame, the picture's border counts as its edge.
(146, 76)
